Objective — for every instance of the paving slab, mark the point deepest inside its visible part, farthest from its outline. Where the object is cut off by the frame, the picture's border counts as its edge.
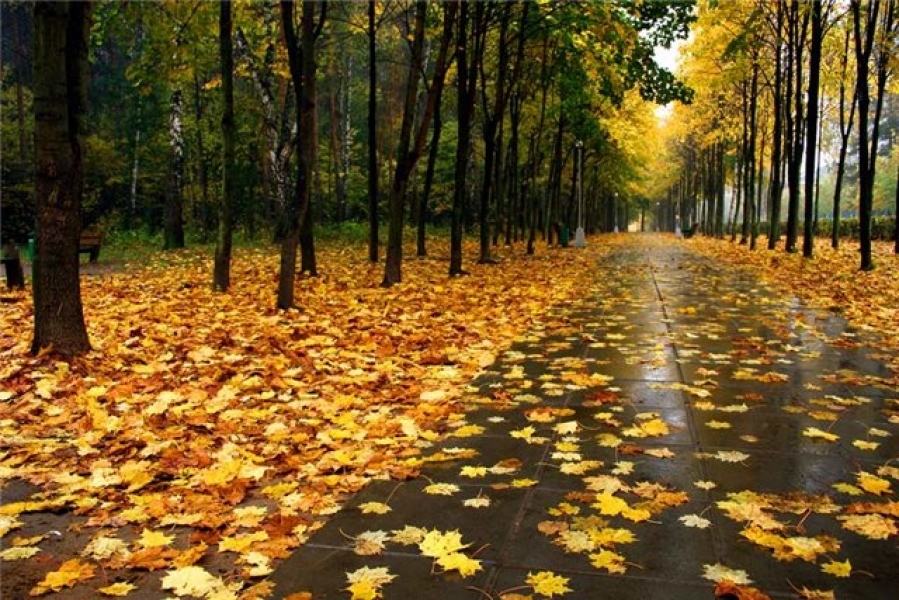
(645, 443)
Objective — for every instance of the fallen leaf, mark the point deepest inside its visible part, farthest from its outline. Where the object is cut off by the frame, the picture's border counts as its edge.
(547, 583)
(838, 569)
(695, 521)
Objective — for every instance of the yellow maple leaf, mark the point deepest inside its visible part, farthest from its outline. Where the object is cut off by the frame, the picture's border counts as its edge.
(659, 452)
(197, 581)
(612, 536)
(70, 573)
(838, 569)
(441, 489)
(608, 560)
(368, 543)
(875, 527)
(610, 505)
(524, 483)
(409, 535)
(363, 590)
(375, 508)
(567, 428)
(818, 434)
(873, 484)
(19, 552)
(848, 488)
(479, 502)
(240, 543)
(121, 589)
(365, 583)
(473, 471)
(437, 543)
(456, 561)
(468, 431)
(609, 440)
(154, 539)
(524, 433)
(865, 445)
(547, 583)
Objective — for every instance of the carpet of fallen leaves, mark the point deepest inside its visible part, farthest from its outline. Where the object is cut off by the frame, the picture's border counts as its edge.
(831, 279)
(213, 429)
(206, 436)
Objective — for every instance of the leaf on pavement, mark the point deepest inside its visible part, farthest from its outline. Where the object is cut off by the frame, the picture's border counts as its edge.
(365, 583)
(838, 569)
(69, 574)
(547, 583)
(695, 521)
(719, 572)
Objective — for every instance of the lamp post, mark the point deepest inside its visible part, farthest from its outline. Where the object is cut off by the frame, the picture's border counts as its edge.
(615, 212)
(580, 239)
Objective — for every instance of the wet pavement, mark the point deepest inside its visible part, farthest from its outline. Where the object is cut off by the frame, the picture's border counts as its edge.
(684, 424)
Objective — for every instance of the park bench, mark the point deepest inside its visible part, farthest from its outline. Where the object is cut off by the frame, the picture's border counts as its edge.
(690, 230)
(90, 242)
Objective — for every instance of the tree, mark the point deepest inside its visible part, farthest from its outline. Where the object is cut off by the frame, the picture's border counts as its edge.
(811, 127)
(465, 98)
(301, 57)
(372, 134)
(62, 31)
(412, 142)
(875, 39)
(845, 126)
(405, 160)
(221, 278)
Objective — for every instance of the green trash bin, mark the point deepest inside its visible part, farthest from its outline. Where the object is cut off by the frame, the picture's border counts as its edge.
(30, 250)
(564, 236)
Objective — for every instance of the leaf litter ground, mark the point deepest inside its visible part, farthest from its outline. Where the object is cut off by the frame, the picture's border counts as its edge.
(208, 436)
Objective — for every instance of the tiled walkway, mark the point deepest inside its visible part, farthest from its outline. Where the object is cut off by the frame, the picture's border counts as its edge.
(677, 428)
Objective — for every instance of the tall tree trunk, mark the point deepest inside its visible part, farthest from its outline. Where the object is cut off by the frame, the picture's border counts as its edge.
(405, 162)
(421, 237)
(747, 167)
(465, 85)
(845, 132)
(873, 42)
(798, 28)
(896, 212)
(411, 150)
(811, 127)
(61, 72)
(493, 116)
(301, 56)
(777, 134)
(221, 277)
(174, 207)
(372, 135)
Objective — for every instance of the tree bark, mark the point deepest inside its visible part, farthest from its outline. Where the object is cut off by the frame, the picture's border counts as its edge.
(874, 40)
(465, 87)
(301, 56)
(778, 134)
(221, 278)
(811, 128)
(405, 161)
(845, 132)
(372, 136)
(62, 31)
(174, 216)
(798, 26)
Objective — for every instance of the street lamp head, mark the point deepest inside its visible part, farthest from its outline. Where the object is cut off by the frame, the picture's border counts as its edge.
(579, 144)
